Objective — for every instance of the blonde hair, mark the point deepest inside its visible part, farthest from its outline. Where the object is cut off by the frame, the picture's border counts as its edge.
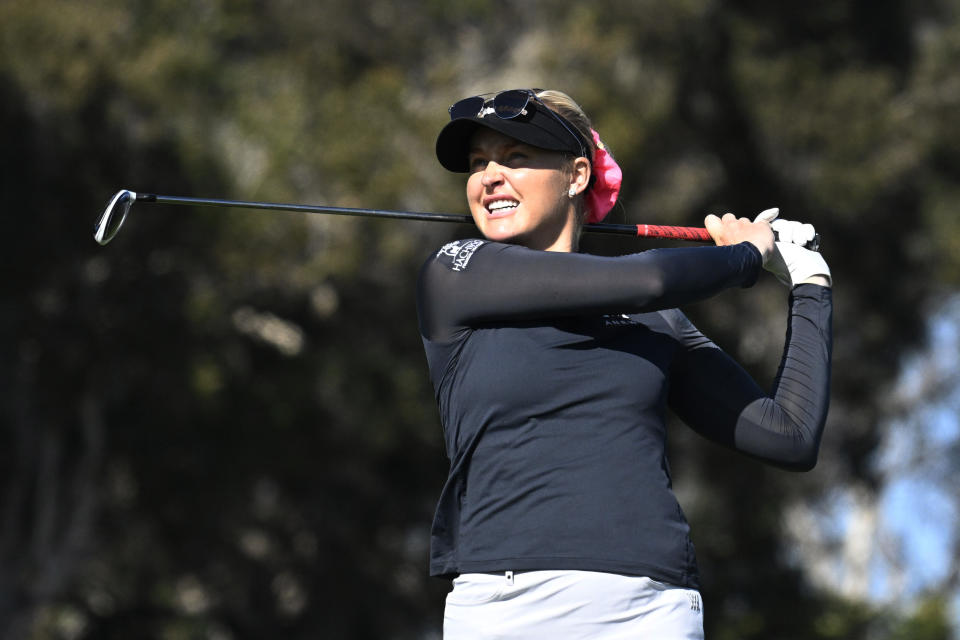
(573, 114)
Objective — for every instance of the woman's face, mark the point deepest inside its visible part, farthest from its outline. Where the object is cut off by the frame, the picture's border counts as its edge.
(520, 194)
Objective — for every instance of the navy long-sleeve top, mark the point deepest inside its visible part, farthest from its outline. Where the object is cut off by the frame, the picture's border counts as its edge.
(553, 373)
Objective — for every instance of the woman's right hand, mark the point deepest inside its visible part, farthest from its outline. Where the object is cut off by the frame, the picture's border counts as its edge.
(733, 230)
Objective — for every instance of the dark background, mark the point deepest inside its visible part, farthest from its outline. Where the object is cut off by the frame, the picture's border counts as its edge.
(220, 425)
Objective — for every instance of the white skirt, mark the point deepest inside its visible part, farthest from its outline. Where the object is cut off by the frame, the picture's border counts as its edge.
(569, 604)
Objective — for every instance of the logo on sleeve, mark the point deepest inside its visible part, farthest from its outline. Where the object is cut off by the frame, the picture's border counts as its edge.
(457, 255)
(619, 320)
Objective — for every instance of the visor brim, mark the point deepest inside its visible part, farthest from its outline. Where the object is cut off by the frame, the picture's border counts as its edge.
(539, 130)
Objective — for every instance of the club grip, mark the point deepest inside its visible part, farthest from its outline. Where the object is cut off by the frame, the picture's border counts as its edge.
(696, 234)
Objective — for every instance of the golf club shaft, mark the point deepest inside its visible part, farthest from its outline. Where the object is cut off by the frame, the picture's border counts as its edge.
(696, 234)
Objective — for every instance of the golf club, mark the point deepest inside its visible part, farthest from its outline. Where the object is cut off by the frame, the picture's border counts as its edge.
(119, 207)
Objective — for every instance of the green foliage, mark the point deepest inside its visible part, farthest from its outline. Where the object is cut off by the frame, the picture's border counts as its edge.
(221, 426)
(931, 621)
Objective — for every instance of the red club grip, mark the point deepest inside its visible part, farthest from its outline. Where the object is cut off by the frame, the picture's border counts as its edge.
(676, 233)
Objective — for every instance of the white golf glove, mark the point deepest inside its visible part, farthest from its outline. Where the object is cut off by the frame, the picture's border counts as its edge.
(791, 263)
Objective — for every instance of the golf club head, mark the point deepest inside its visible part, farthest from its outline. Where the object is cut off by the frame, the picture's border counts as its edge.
(113, 216)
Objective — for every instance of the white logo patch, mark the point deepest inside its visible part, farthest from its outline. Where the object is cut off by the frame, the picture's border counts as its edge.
(449, 249)
(461, 253)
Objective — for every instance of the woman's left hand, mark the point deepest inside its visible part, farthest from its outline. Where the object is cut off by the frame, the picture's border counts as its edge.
(793, 262)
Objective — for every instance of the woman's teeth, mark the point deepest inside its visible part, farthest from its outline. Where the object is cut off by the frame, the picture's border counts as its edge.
(500, 205)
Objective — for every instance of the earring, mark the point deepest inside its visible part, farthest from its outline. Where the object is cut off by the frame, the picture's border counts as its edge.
(573, 191)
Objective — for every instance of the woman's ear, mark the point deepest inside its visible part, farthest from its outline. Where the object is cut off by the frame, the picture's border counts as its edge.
(580, 178)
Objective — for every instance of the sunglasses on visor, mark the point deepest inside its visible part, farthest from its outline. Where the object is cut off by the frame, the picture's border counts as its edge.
(507, 105)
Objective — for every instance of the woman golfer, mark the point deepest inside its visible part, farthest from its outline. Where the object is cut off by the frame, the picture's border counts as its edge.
(553, 370)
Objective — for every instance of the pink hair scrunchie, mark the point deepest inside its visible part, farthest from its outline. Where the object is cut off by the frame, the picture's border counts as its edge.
(606, 187)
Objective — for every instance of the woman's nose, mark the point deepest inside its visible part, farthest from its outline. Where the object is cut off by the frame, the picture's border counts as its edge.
(492, 174)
